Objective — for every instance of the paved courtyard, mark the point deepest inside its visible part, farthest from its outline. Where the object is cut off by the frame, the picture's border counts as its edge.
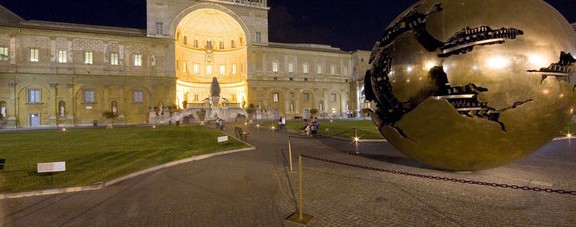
(255, 188)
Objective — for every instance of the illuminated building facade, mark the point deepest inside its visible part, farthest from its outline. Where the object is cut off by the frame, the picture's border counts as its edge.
(69, 74)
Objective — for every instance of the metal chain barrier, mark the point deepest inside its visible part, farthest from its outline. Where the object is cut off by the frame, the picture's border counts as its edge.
(455, 180)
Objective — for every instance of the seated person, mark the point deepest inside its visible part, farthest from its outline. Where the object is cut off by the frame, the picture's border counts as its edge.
(281, 123)
(314, 126)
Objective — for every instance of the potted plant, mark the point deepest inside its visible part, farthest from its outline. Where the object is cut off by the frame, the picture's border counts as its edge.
(110, 117)
(251, 110)
(365, 112)
(201, 116)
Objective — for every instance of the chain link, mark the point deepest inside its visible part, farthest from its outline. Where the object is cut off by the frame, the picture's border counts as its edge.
(455, 180)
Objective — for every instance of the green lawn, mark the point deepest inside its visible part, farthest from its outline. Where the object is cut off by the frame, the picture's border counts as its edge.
(366, 128)
(341, 128)
(96, 155)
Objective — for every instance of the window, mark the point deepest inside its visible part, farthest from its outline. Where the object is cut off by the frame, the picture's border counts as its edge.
(319, 69)
(333, 97)
(306, 97)
(88, 57)
(233, 69)
(185, 41)
(276, 97)
(137, 60)
(33, 55)
(209, 70)
(185, 67)
(89, 96)
(159, 28)
(3, 53)
(258, 37)
(290, 68)
(222, 70)
(221, 44)
(209, 45)
(62, 56)
(138, 97)
(305, 68)
(345, 71)
(196, 69)
(232, 44)
(114, 58)
(34, 96)
(275, 67)
(332, 70)
(196, 43)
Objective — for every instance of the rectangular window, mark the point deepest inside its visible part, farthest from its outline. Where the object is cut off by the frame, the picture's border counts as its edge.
(34, 55)
(305, 68)
(34, 96)
(209, 70)
(3, 53)
(232, 44)
(138, 97)
(233, 69)
(62, 56)
(185, 41)
(275, 67)
(159, 28)
(221, 45)
(222, 70)
(196, 98)
(196, 43)
(332, 70)
(290, 68)
(196, 69)
(209, 45)
(114, 58)
(276, 97)
(185, 67)
(258, 37)
(306, 97)
(89, 96)
(333, 97)
(137, 60)
(319, 69)
(89, 57)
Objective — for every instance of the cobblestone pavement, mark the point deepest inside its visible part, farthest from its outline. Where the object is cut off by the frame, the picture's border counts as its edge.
(255, 188)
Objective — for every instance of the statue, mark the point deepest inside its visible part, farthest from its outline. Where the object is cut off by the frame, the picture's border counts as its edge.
(2, 112)
(62, 111)
(215, 91)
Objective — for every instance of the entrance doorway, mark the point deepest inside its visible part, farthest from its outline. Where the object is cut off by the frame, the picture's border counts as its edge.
(306, 113)
(34, 120)
(276, 114)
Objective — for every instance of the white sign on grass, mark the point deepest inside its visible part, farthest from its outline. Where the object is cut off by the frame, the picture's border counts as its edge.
(222, 139)
(50, 167)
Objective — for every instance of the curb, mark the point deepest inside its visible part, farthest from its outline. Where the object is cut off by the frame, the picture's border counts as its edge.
(98, 186)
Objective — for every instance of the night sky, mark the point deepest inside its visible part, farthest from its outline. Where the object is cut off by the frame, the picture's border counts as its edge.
(348, 24)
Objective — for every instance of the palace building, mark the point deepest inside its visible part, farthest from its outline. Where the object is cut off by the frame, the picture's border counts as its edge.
(54, 74)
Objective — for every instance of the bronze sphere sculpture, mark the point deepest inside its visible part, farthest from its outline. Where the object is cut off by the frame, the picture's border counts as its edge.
(467, 85)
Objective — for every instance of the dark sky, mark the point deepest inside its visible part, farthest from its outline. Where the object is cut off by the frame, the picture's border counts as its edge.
(348, 24)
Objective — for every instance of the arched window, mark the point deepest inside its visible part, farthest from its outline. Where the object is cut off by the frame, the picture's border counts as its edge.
(114, 107)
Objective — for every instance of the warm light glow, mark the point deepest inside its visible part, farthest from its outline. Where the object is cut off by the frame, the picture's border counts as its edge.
(409, 69)
(356, 139)
(474, 68)
(498, 62)
(569, 135)
(561, 95)
(257, 125)
(572, 111)
(64, 129)
(245, 123)
(153, 126)
(419, 78)
(408, 81)
(546, 91)
(537, 60)
(429, 65)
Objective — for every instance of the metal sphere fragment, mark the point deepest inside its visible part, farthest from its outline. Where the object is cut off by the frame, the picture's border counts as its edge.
(469, 85)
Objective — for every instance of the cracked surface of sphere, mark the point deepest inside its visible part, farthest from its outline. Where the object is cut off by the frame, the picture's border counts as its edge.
(467, 85)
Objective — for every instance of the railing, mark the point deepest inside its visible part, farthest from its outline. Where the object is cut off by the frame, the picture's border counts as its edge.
(255, 3)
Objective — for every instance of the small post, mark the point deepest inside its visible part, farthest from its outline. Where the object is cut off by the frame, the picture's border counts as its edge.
(290, 152)
(301, 217)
